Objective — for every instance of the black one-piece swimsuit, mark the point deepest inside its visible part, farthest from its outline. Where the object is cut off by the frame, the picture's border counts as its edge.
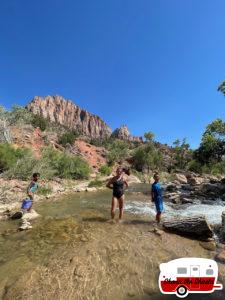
(118, 188)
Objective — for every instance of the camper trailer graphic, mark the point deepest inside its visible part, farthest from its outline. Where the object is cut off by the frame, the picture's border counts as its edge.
(184, 276)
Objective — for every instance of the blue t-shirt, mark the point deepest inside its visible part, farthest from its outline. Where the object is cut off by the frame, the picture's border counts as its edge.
(158, 199)
(157, 190)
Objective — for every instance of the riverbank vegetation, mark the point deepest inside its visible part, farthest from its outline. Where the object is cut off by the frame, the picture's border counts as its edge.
(59, 157)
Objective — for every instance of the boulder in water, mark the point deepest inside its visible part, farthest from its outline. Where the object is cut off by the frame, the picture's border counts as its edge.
(196, 227)
(185, 200)
(30, 215)
(17, 215)
(171, 187)
(91, 189)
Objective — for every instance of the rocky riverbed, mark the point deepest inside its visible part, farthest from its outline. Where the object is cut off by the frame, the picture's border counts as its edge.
(73, 251)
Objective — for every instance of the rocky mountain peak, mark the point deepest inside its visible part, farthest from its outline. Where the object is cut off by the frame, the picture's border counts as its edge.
(123, 133)
(65, 112)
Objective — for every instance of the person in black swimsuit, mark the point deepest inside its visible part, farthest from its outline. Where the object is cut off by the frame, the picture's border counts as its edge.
(118, 184)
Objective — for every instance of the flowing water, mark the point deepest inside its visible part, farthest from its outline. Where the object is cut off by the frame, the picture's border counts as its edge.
(78, 221)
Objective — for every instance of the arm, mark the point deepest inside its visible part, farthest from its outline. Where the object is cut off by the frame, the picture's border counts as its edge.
(152, 194)
(109, 183)
(126, 185)
(29, 193)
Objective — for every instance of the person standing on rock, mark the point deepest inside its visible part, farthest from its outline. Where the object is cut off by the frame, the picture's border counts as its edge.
(32, 189)
(157, 197)
(118, 184)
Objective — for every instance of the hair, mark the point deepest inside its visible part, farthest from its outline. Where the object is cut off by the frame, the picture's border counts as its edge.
(155, 174)
(36, 175)
(126, 171)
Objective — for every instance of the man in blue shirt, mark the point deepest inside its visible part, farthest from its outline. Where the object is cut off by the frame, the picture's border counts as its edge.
(157, 197)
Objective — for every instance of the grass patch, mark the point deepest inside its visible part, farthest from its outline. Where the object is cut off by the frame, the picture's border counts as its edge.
(95, 183)
(44, 190)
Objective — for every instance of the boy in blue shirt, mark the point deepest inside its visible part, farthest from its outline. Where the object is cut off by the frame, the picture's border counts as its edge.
(157, 197)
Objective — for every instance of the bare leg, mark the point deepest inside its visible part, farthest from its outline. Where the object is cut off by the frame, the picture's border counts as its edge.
(121, 204)
(113, 207)
(158, 217)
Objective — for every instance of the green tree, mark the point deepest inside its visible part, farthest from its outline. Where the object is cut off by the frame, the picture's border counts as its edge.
(182, 153)
(212, 147)
(147, 157)
(149, 136)
(221, 87)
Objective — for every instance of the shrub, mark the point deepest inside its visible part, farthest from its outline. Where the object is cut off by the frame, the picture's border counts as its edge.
(67, 138)
(66, 165)
(72, 167)
(52, 163)
(218, 169)
(39, 121)
(195, 166)
(95, 183)
(26, 166)
(44, 190)
(102, 142)
(19, 115)
(118, 151)
(105, 170)
(9, 156)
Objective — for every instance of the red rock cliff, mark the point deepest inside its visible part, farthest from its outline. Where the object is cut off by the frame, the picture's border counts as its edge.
(65, 112)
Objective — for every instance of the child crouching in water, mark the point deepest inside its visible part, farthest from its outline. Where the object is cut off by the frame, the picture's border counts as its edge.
(157, 197)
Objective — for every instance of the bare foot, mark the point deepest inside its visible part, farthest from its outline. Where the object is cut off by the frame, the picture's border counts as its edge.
(111, 221)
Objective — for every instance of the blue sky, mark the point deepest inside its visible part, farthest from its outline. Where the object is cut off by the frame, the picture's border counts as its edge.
(151, 64)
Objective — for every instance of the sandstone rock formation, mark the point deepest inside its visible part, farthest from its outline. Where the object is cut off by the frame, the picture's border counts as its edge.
(65, 112)
(123, 133)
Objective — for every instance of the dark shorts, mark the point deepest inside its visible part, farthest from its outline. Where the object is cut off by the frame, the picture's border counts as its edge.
(159, 205)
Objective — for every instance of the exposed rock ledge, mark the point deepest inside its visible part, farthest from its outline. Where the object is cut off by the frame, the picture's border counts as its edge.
(65, 112)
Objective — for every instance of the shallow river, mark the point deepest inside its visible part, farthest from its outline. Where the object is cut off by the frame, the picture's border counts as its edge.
(59, 225)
